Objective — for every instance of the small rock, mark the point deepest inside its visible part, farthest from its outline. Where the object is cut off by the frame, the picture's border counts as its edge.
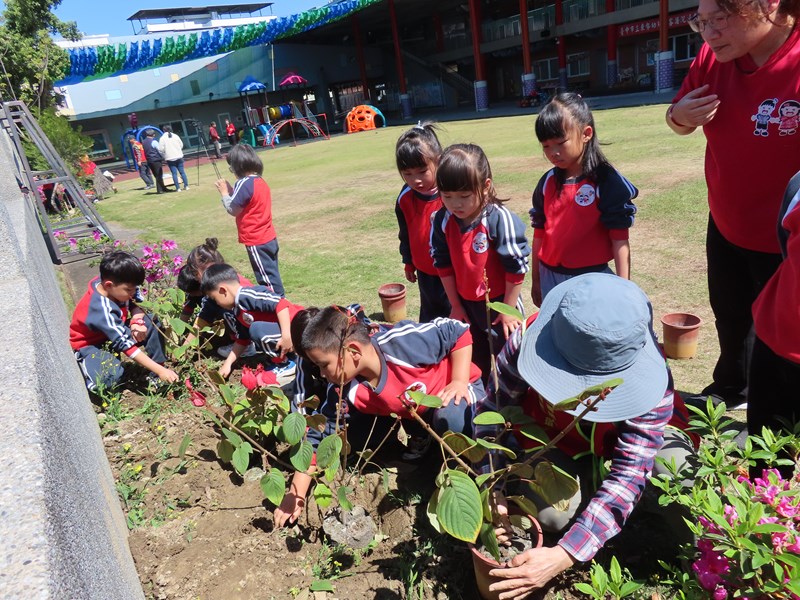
(353, 528)
(254, 474)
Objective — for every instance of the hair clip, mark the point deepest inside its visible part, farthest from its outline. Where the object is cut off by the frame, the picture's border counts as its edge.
(419, 126)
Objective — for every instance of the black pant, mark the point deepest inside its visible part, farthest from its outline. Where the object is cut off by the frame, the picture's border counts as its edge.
(772, 395)
(158, 175)
(433, 300)
(735, 278)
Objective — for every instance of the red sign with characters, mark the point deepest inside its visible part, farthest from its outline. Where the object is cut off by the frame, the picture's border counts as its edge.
(651, 25)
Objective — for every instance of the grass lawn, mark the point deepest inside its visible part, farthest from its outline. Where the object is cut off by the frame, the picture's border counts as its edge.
(333, 209)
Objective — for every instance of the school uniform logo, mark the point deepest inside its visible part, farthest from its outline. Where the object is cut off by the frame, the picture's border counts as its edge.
(247, 318)
(480, 243)
(585, 195)
(417, 386)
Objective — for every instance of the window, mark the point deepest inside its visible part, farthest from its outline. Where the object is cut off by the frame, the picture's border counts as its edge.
(686, 46)
(546, 69)
(195, 87)
(113, 94)
(101, 144)
(578, 64)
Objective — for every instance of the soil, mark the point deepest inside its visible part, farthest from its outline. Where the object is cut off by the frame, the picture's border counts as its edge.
(199, 530)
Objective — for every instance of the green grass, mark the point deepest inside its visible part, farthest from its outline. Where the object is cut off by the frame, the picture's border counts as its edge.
(333, 209)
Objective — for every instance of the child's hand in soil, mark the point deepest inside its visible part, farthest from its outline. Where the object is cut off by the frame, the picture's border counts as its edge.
(168, 375)
(529, 571)
(225, 370)
(289, 510)
(284, 345)
(455, 391)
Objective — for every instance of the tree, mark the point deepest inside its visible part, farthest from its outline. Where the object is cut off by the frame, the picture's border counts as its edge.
(29, 58)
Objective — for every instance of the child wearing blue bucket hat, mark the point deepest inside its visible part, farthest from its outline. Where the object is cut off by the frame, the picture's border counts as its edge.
(590, 329)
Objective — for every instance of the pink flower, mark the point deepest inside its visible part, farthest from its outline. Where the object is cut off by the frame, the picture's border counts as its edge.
(147, 250)
(73, 242)
(151, 277)
(60, 235)
(168, 245)
(117, 243)
(97, 235)
(779, 540)
(730, 514)
(249, 379)
(265, 378)
(196, 397)
(177, 261)
(720, 593)
(252, 379)
(787, 507)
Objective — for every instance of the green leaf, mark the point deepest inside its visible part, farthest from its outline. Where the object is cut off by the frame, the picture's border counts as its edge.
(179, 325)
(614, 568)
(185, 443)
(328, 451)
(585, 588)
(322, 495)
(301, 456)
(505, 309)
(402, 436)
(553, 485)
(596, 390)
(330, 472)
(216, 377)
(525, 504)
(293, 428)
(489, 418)
(341, 494)
(515, 415)
(489, 540)
(568, 404)
(464, 446)
(266, 427)
(225, 451)
(629, 587)
(228, 393)
(311, 403)
(241, 457)
(534, 432)
(234, 438)
(425, 399)
(459, 506)
(321, 585)
(273, 486)
(493, 446)
(179, 351)
(316, 421)
(430, 509)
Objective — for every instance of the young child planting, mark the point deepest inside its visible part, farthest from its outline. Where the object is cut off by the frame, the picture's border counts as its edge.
(375, 373)
(250, 201)
(417, 155)
(475, 235)
(107, 314)
(262, 317)
(582, 207)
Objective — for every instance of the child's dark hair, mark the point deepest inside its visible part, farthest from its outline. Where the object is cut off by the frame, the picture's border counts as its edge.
(465, 168)
(298, 327)
(331, 328)
(216, 275)
(120, 267)
(187, 280)
(204, 255)
(244, 161)
(418, 147)
(563, 114)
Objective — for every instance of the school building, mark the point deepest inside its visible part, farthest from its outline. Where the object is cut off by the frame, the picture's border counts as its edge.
(405, 57)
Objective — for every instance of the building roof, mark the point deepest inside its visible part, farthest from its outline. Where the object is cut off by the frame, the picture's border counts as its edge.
(193, 11)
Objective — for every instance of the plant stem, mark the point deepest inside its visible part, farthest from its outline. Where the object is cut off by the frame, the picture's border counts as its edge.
(439, 439)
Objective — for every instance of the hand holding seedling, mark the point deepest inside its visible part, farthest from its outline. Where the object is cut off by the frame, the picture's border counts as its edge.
(529, 571)
(167, 375)
(510, 324)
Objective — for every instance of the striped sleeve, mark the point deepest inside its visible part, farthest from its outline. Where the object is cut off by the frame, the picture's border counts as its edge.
(105, 316)
(615, 201)
(507, 232)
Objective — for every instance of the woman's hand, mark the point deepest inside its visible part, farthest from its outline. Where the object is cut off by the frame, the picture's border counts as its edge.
(529, 571)
(695, 109)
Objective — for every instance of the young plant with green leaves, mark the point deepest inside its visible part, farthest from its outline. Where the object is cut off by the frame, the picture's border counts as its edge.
(616, 583)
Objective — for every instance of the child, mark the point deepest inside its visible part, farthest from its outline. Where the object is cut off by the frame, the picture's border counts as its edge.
(475, 235)
(250, 202)
(189, 279)
(261, 316)
(106, 314)
(775, 365)
(140, 162)
(582, 208)
(417, 154)
(376, 371)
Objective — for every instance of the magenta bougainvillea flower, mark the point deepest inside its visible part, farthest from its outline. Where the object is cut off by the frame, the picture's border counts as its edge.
(258, 377)
(196, 397)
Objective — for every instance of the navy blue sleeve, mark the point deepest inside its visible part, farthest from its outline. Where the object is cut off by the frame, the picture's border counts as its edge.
(439, 249)
(258, 298)
(242, 193)
(536, 212)
(405, 244)
(615, 199)
(327, 408)
(105, 316)
(422, 343)
(210, 311)
(507, 232)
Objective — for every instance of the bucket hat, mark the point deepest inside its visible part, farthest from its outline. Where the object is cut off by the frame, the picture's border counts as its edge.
(590, 329)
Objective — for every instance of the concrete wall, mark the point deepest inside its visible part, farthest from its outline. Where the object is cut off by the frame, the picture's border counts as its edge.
(62, 531)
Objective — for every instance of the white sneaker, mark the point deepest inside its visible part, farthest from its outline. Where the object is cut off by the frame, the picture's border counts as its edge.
(178, 190)
(285, 369)
(186, 187)
(224, 351)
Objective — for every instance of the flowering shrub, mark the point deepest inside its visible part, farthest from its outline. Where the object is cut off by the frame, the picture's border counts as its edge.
(746, 530)
(258, 377)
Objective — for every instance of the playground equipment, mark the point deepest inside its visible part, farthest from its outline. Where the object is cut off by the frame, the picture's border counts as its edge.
(137, 133)
(364, 117)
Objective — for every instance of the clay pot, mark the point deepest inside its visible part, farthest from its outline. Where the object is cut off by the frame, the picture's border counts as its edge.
(680, 334)
(393, 300)
(483, 565)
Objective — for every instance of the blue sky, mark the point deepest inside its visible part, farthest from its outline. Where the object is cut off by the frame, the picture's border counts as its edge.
(95, 17)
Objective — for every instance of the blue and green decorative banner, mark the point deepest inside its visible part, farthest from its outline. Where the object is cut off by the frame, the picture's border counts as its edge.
(106, 61)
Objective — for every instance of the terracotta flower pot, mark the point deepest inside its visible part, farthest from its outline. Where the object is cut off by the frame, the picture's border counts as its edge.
(393, 301)
(483, 565)
(680, 334)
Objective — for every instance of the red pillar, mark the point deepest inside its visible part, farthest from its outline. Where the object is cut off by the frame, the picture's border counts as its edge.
(475, 21)
(611, 36)
(562, 47)
(526, 37)
(663, 25)
(398, 57)
(438, 31)
(362, 65)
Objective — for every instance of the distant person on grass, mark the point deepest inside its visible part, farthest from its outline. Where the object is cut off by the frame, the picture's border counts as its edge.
(213, 135)
(140, 161)
(376, 371)
(417, 156)
(106, 323)
(741, 89)
(154, 160)
(262, 317)
(582, 207)
(230, 131)
(590, 329)
(171, 147)
(473, 235)
(250, 201)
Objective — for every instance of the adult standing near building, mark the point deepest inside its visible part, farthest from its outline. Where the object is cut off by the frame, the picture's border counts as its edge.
(743, 90)
(230, 131)
(171, 147)
(213, 135)
(154, 159)
(140, 161)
